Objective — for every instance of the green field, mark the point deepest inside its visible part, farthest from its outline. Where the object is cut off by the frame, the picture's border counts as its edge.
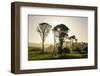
(50, 56)
(35, 53)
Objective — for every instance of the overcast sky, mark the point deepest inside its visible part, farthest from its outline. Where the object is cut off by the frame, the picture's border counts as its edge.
(78, 26)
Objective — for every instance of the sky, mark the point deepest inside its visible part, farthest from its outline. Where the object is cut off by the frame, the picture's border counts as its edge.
(78, 26)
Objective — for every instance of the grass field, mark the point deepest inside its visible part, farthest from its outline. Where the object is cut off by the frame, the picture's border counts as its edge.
(34, 53)
(50, 56)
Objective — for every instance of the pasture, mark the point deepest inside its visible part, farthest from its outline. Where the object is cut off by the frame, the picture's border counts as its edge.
(35, 54)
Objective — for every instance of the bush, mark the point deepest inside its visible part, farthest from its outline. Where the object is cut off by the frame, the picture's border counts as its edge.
(66, 50)
(86, 49)
(78, 50)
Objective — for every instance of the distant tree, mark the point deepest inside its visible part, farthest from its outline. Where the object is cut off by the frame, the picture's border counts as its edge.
(72, 39)
(85, 53)
(86, 49)
(60, 31)
(82, 46)
(43, 29)
(76, 40)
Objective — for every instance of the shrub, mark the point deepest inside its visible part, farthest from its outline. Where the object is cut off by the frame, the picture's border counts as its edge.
(66, 50)
(78, 50)
(86, 49)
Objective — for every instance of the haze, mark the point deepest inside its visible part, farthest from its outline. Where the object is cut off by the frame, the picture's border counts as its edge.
(78, 26)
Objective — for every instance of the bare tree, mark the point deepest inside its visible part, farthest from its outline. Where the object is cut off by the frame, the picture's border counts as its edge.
(43, 29)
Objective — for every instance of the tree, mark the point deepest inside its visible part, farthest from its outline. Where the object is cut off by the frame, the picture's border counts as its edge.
(82, 46)
(78, 50)
(72, 39)
(60, 31)
(43, 29)
(85, 50)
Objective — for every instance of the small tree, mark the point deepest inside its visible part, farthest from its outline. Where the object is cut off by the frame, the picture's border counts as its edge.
(43, 29)
(72, 39)
(82, 45)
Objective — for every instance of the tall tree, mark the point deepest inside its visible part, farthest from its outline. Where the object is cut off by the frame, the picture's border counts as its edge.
(43, 29)
(61, 31)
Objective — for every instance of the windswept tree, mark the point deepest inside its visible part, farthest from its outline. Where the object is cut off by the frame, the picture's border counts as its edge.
(60, 31)
(43, 29)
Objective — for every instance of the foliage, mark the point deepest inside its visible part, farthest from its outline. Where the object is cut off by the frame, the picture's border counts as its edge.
(60, 31)
(66, 50)
(78, 50)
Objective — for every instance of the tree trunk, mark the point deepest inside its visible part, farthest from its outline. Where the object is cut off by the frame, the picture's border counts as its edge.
(71, 42)
(60, 49)
(42, 46)
(54, 51)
